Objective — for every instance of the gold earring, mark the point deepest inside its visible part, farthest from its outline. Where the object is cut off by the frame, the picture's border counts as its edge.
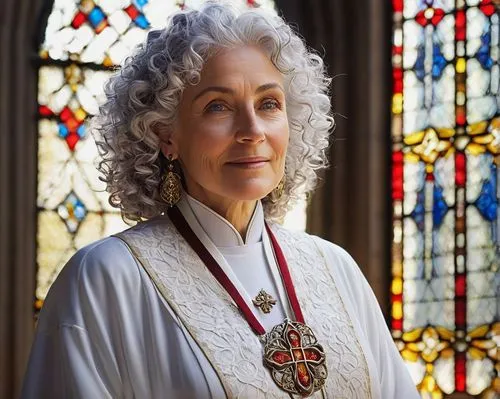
(170, 187)
(279, 190)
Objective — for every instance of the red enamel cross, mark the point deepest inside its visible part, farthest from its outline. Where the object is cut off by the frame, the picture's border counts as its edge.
(293, 354)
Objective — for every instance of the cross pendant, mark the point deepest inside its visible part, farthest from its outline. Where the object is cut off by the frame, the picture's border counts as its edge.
(264, 301)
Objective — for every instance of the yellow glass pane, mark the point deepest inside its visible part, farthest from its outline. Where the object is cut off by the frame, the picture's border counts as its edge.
(411, 157)
(397, 286)
(479, 332)
(413, 335)
(397, 310)
(461, 65)
(477, 128)
(397, 269)
(476, 354)
(475, 149)
(445, 133)
(54, 250)
(445, 333)
(397, 103)
(414, 138)
(447, 353)
(409, 355)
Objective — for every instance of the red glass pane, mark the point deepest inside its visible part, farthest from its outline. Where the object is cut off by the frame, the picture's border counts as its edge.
(397, 76)
(132, 11)
(460, 25)
(460, 285)
(45, 111)
(460, 116)
(438, 16)
(397, 73)
(397, 5)
(71, 140)
(397, 86)
(420, 18)
(65, 114)
(397, 298)
(397, 324)
(397, 50)
(460, 371)
(460, 310)
(78, 20)
(487, 8)
(397, 175)
(460, 169)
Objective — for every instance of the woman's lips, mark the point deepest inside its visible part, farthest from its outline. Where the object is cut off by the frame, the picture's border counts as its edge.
(249, 163)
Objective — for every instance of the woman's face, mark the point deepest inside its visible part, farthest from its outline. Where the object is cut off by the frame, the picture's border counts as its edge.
(231, 133)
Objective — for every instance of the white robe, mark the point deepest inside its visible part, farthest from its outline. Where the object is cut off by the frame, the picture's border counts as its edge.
(105, 331)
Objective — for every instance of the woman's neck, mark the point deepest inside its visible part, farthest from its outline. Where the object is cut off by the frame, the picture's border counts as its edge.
(237, 212)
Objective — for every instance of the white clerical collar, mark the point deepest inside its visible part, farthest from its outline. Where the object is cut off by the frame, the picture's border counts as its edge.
(221, 232)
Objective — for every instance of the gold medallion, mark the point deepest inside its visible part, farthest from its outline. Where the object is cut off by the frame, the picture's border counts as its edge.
(295, 359)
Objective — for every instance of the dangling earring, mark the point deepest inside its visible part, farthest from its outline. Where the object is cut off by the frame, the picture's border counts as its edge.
(170, 187)
(279, 190)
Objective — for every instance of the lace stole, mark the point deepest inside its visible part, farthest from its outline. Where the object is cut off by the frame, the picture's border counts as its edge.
(213, 320)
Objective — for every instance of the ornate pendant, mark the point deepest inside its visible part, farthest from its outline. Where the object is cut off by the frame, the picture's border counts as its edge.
(170, 188)
(295, 359)
(264, 301)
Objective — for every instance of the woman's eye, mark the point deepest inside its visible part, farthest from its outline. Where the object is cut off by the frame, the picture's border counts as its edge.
(215, 107)
(270, 105)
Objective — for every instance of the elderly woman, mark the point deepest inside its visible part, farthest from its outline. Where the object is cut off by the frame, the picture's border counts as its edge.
(211, 131)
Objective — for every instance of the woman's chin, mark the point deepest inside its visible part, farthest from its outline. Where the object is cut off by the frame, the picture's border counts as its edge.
(249, 192)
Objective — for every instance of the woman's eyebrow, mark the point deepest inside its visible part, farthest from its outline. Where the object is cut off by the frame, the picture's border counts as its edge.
(220, 89)
(227, 90)
(269, 86)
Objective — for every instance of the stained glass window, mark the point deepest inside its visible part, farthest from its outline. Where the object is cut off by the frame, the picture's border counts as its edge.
(84, 40)
(445, 193)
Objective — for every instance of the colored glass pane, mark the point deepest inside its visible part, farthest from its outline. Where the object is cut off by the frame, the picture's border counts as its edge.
(84, 40)
(105, 31)
(446, 158)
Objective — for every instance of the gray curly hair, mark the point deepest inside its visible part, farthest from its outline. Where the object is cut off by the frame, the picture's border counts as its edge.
(143, 96)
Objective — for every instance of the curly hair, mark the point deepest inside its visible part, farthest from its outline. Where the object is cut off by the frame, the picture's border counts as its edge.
(143, 96)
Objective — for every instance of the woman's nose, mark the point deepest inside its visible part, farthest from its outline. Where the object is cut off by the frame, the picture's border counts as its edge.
(249, 127)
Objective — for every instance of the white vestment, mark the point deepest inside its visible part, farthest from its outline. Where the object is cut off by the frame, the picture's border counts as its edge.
(140, 316)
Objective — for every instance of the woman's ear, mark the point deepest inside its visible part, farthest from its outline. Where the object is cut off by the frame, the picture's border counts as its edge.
(168, 147)
(168, 142)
